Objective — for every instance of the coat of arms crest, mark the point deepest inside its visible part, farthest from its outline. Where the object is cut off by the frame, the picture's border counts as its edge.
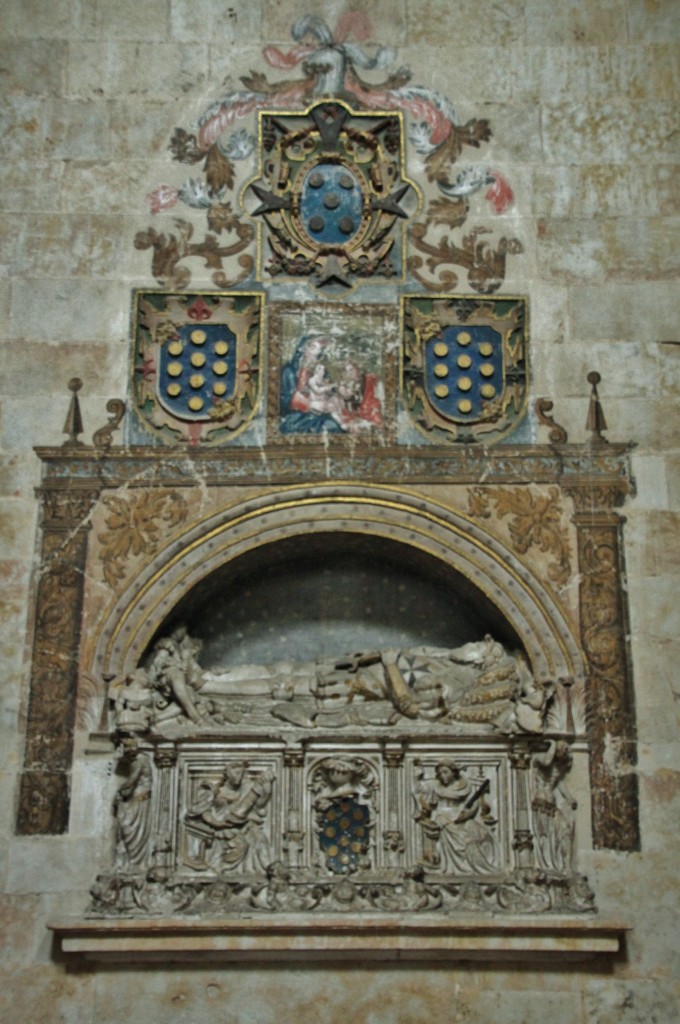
(330, 194)
(464, 368)
(196, 368)
(317, 202)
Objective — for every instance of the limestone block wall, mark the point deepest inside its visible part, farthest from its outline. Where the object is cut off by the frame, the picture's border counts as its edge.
(582, 97)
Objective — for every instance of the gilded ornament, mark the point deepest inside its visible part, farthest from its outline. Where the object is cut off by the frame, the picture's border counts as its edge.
(133, 527)
(330, 195)
(537, 521)
(230, 326)
(495, 384)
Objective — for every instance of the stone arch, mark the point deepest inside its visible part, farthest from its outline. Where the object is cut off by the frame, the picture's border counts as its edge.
(403, 517)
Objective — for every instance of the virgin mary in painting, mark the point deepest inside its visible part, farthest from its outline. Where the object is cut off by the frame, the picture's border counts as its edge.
(317, 398)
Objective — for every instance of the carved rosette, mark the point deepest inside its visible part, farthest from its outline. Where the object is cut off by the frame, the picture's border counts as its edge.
(609, 691)
(45, 783)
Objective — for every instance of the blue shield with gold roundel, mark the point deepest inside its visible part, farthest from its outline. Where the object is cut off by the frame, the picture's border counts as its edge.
(195, 374)
(344, 835)
(465, 365)
(197, 369)
(464, 371)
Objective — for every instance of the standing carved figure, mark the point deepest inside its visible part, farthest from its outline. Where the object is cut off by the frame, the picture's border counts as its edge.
(455, 820)
(553, 809)
(226, 822)
(132, 810)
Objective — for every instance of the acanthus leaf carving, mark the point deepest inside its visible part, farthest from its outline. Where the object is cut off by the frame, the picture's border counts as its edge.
(537, 521)
(133, 527)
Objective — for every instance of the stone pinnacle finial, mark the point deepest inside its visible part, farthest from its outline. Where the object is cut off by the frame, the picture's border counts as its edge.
(596, 422)
(74, 420)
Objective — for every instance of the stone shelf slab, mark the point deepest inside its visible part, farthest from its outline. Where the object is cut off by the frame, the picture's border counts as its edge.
(375, 938)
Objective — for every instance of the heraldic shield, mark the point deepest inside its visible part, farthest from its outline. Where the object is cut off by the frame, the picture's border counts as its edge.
(196, 367)
(344, 834)
(464, 365)
(330, 194)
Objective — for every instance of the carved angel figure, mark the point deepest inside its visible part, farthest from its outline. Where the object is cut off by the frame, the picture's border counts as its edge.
(175, 672)
(225, 824)
(133, 703)
(455, 820)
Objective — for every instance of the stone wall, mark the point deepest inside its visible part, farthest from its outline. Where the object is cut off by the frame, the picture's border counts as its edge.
(582, 98)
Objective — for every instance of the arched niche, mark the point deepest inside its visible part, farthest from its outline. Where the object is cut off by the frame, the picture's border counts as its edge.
(439, 550)
(331, 593)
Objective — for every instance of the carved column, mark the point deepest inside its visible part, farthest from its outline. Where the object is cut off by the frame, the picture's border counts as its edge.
(610, 702)
(293, 837)
(522, 836)
(165, 758)
(44, 793)
(393, 836)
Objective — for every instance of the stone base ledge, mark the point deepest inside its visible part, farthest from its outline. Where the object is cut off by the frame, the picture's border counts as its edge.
(375, 938)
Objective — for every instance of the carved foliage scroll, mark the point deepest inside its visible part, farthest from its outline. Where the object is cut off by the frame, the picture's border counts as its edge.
(133, 527)
(536, 521)
(609, 694)
(44, 791)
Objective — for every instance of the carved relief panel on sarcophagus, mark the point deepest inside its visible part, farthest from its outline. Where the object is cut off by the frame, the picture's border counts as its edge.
(418, 778)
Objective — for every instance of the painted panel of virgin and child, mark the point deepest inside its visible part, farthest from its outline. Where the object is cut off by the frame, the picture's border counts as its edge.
(327, 388)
